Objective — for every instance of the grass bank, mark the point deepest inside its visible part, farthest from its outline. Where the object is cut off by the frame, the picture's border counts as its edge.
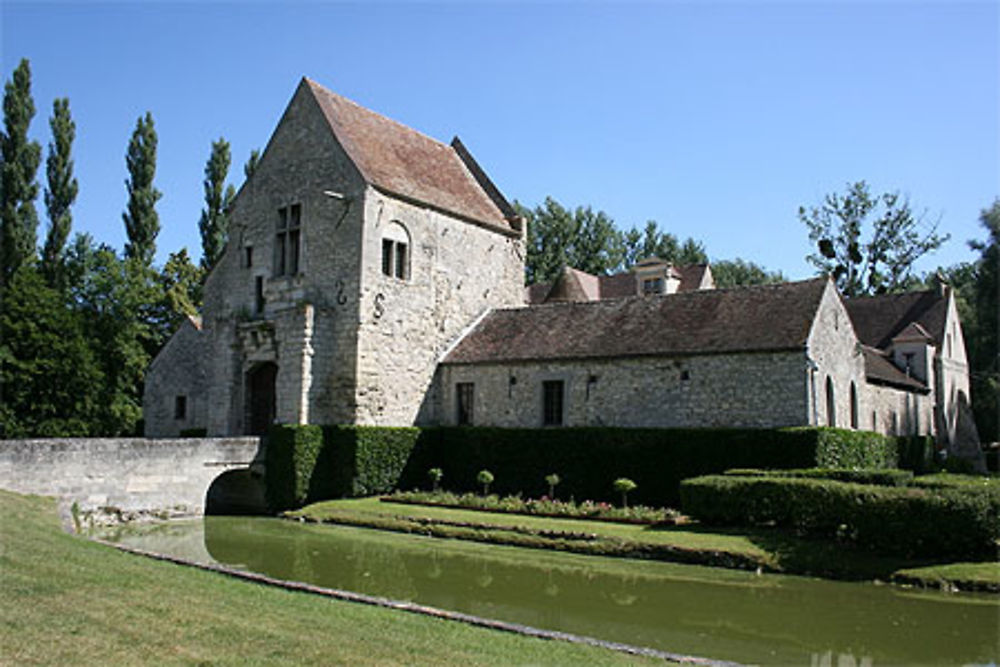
(65, 600)
(767, 549)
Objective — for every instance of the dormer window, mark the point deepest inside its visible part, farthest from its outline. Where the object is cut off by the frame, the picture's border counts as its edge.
(396, 251)
(652, 286)
(288, 240)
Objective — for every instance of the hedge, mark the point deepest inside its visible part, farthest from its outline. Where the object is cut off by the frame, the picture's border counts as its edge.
(951, 522)
(888, 477)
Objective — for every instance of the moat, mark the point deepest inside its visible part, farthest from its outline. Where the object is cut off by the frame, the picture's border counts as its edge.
(721, 614)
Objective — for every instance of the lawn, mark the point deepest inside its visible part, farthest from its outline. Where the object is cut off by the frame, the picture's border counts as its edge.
(767, 549)
(65, 600)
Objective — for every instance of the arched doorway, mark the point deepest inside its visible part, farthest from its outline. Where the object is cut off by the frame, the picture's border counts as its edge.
(261, 400)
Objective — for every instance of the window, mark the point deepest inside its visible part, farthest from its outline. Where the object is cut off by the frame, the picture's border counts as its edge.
(831, 405)
(258, 295)
(552, 403)
(180, 407)
(287, 240)
(652, 286)
(465, 393)
(854, 406)
(396, 251)
(248, 255)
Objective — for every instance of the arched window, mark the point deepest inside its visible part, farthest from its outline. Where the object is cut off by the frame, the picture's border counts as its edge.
(854, 406)
(396, 251)
(831, 405)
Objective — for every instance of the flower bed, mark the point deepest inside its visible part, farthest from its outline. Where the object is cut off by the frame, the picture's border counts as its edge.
(544, 506)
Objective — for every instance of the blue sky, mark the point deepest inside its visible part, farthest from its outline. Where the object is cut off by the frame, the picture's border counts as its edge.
(718, 120)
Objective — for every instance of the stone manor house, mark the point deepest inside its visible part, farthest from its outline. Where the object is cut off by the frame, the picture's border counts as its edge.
(376, 276)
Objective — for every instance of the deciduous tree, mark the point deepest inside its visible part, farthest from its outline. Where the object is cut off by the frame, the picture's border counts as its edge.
(19, 159)
(741, 273)
(60, 193)
(142, 223)
(868, 243)
(984, 344)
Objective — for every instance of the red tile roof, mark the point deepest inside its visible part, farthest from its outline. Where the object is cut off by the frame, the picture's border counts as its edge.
(749, 319)
(403, 162)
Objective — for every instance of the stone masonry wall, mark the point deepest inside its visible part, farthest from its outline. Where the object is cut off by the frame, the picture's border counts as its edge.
(897, 412)
(308, 326)
(177, 371)
(130, 474)
(760, 390)
(458, 270)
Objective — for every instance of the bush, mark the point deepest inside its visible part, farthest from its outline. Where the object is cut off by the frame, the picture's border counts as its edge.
(876, 477)
(915, 522)
(916, 453)
(292, 455)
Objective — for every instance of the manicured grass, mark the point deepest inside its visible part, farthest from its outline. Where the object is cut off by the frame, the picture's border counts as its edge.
(964, 576)
(769, 549)
(65, 600)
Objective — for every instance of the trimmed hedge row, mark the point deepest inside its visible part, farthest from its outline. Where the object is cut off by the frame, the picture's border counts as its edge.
(913, 522)
(309, 463)
(889, 477)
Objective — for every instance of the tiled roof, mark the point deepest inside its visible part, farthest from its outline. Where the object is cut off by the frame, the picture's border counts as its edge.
(879, 370)
(878, 319)
(617, 286)
(769, 317)
(411, 165)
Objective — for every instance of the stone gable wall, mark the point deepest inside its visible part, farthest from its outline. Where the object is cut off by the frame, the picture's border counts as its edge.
(457, 271)
(177, 371)
(758, 390)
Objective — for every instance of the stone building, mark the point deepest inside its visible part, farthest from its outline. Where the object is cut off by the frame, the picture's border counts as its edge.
(375, 276)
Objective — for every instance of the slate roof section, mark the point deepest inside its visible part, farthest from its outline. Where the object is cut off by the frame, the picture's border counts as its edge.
(403, 162)
(879, 370)
(749, 319)
(879, 319)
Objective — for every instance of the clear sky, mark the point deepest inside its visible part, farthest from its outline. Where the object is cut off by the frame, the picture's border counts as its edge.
(718, 120)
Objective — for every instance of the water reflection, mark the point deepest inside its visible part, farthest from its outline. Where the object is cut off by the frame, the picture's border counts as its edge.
(684, 609)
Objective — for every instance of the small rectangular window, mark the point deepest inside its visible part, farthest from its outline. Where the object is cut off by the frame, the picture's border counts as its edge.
(258, 295)
(552, 403)
(249, 256)
(387, 256)
(293, 252)
(400, 260)
(288, 241)
(180, 407)
(279, 254)
(465, 393)
(652, 286)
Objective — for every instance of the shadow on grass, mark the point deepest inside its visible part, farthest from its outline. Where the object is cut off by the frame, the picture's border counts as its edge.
(810, 556)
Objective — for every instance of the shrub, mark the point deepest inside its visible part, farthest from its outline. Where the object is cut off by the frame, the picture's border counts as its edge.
(485, 477)
(623, 485)
(553, 481)
(877, 477)
(950, 522)
(435, 474)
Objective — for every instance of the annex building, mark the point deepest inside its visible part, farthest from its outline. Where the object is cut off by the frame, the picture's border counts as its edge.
(375, 276)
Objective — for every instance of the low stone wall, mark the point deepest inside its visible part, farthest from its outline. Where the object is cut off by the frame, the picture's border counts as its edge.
(128, 474)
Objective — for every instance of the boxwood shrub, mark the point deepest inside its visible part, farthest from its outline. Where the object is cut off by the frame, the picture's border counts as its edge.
(888, 477)
(951, 522)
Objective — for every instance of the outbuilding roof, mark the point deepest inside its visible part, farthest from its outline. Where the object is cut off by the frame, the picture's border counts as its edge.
(403, 162)
(747, 319)
(879, 319)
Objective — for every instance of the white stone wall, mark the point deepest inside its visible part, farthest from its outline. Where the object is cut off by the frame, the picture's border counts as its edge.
(758, 390)
(177, 371)
(457, 271)
(951, 373)
(834, 353)
(897, 412)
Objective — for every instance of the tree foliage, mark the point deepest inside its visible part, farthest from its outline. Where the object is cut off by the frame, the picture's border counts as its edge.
(60, 193)
(868, 243)
(48, 374)
(652, 242)
(181, 284)
(741, 273)
(19, 159)
(983, 343)
(250, 166)
(214, 224)
(142, 223)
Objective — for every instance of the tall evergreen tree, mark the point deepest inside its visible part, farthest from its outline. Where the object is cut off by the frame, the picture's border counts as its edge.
(214, 224)
(60, 193)
(19, 159)
(984, 343)
(142, 223)
(251, 164)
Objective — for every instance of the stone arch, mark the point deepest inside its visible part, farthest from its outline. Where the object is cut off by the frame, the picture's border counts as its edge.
(261, 401)
(831, 403)
(236, 492)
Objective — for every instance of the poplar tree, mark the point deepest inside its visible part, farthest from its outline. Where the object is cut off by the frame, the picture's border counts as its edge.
(142, 223)
(60, 193)
(19, 159)
(214, 224)
(251, 164)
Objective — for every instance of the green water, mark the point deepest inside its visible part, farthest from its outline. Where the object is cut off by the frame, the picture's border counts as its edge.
(693, 610)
